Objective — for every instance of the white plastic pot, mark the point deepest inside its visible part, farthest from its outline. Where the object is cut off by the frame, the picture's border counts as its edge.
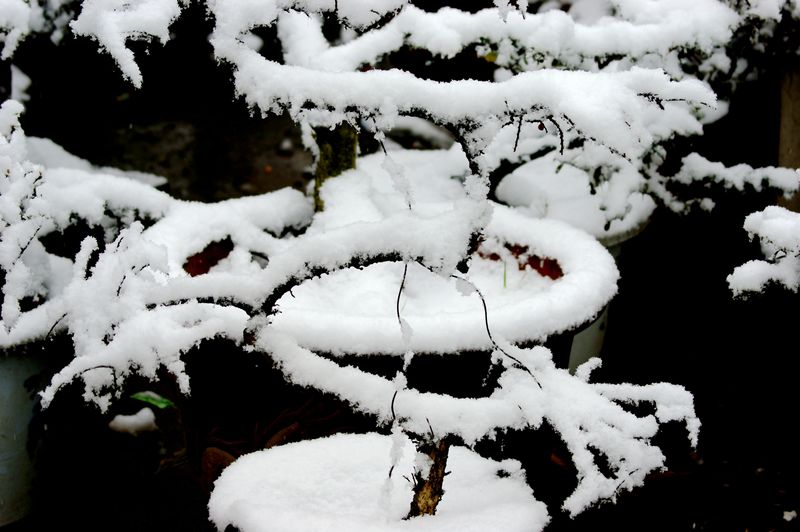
(342, 483)
(16, 409)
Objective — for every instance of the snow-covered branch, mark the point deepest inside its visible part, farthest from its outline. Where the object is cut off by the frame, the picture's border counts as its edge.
(778, 230)
(639, 34)
(587, 416)
(113, 22)
(697, 170)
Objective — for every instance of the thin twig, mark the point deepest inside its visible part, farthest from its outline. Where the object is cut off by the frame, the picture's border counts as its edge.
(430, 428)
(25, 247)
(519, 130)
(46, 336)
(489, 331)
(621, 482)
(399, 293)
(560, 132)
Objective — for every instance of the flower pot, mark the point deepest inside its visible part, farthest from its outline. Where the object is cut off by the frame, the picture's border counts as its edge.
(16, 409)
(564, 187)
(354, 311)
(538, 278)
(614, 211)
(343, 483)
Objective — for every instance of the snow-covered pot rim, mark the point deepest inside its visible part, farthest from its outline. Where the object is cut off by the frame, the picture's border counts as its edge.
(16, 475)
(341, 483)
(554, 186)
(613, 240)
(549, 307)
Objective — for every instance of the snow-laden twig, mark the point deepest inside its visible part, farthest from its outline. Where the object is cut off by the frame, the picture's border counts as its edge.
(518, 41)
(778, 230)
(587, 416)
(697, 170)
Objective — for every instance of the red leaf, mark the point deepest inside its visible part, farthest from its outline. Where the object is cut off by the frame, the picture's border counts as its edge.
(202, 262)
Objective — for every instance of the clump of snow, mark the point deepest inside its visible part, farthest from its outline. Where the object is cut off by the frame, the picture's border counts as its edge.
(778, 230)
(17, 18)
(142, 421)
(22, 258)
(20, 83)
(766, 9)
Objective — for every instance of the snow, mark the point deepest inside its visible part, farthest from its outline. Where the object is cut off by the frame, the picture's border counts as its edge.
(113, 22)
(778, 230)
(585, 415)
(134, 310)
(583, 106)
(340, 487)
(697, 168)
(47, 153)
(766, 9)
(142, 421)
(20, 83)
(16, 19)
(562, 187)
(641, 29)
(353, 310)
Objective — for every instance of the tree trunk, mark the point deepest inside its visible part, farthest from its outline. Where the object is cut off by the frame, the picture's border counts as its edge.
(337, 153)
(790, 130)
(428, 491)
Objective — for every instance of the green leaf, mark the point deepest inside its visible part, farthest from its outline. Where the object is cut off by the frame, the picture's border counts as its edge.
(153, 399)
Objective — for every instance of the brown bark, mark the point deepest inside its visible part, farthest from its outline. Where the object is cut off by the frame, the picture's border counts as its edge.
(429, 491)
(337, 153)
(790, 130)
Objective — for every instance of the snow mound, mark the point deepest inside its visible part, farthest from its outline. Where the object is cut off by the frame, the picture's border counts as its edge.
(342, 483)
